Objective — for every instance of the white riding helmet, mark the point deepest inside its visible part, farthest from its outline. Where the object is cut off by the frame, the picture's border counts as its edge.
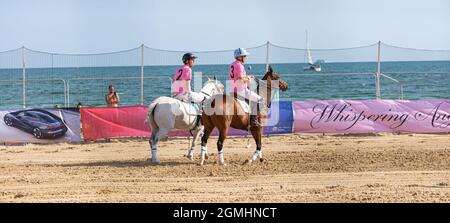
(240, 52)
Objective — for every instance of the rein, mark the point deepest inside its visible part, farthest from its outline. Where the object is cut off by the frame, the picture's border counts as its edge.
(205, 93)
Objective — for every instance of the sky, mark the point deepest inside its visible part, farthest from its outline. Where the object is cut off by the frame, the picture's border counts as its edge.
(88, 26)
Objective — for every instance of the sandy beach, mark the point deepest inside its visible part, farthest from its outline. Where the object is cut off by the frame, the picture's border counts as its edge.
(298, 168)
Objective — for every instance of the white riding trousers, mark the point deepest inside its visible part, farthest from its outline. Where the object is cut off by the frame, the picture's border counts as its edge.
(250, 95)
(193, 96)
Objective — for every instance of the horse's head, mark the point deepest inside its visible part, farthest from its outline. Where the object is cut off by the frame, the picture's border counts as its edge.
(272, 76)
(212, 87)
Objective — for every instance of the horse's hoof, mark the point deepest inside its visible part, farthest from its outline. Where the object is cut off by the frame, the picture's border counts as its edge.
(222, 164)
(191, 158)
(202, 163)
(206, 156)
(156, 162)
(262, 160)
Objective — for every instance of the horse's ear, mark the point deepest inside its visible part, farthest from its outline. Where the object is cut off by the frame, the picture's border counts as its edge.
(270, 69)
(215, 78)
(208, 78)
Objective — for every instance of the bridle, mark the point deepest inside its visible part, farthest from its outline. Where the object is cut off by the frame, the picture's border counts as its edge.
(264, 85)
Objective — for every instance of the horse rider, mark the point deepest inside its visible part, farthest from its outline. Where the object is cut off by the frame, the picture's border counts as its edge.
(239, 84)
(181, 83)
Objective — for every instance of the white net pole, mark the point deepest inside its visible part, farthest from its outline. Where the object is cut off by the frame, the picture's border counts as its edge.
(378, 91)
(267, 56)
(23, 78)
(142, 74)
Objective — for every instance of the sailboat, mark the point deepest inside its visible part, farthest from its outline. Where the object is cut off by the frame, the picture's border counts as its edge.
(309, 60)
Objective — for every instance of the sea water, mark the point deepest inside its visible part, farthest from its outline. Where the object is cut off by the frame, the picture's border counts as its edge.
(50, 87)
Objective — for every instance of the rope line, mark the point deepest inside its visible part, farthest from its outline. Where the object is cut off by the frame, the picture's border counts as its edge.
(220, 51)
(406, 48)
(209, 51)
(337, 49)
(81, 54)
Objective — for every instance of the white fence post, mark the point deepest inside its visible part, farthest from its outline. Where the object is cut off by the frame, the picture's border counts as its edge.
(68, 92)
(377, 82)
(267, 55)
(23, 78)
(142, 74)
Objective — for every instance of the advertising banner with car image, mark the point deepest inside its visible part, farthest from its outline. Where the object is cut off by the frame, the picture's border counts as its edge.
(39, 126)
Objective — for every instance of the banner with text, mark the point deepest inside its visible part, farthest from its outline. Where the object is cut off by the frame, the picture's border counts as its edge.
(367, 116)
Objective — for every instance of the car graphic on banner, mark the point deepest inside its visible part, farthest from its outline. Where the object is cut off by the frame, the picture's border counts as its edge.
(38, 122)
(39, 125)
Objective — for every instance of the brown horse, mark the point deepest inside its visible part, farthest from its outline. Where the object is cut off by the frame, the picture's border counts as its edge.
(224, 112)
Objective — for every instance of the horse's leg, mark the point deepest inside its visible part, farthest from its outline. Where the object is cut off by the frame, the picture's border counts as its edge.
(197, 132)
(164, 123)
(257, 135)
(204, 150)
(158, 136)
(153, 141)
(222, 136)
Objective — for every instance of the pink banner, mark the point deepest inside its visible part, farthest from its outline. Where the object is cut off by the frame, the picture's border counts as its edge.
(367, 116)
(101, 123)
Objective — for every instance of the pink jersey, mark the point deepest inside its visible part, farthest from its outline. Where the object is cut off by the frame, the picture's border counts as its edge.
(237, 72)
(179, 79)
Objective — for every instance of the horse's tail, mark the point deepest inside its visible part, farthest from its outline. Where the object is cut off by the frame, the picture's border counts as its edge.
(151, 111)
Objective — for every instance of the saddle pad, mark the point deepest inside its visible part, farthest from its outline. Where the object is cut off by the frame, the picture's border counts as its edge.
(190, 108)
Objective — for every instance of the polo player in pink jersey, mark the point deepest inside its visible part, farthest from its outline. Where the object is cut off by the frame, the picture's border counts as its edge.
(181, 82)
(239, 84)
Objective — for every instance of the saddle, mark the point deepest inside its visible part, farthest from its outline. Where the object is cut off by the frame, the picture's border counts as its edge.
(244, 102)
(191, 108)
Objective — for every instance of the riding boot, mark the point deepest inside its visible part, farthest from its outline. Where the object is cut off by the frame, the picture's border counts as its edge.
(254, 122)
(199, 121)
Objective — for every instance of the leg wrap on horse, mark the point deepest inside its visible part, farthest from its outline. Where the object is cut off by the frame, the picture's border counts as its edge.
(191, 151)
(203, 152)
(257, 154)
(221, 159)
(154, 154)
(220, 151)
